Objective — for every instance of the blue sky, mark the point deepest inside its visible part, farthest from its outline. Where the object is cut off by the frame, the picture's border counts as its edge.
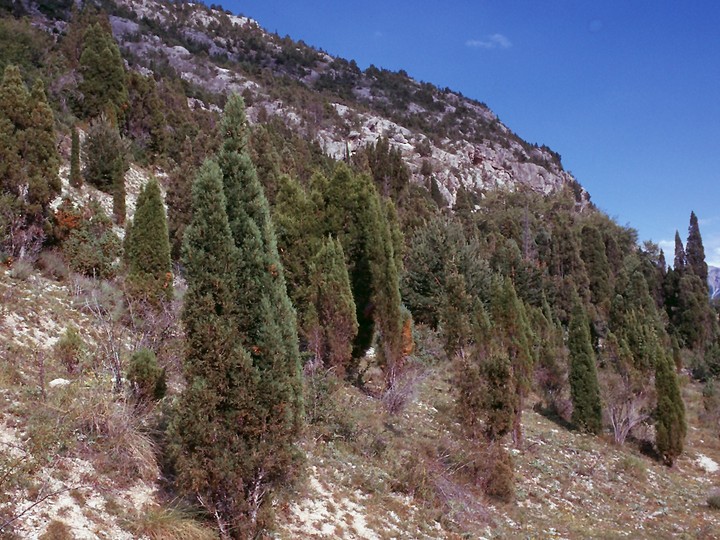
(627, 91)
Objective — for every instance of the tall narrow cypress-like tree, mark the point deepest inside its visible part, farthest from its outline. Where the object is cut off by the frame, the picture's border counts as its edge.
(266, 318)
(29, 161)
(670, 427)
(694, 250)
(385, 287)
(217, 430)
(680, 260)
(147, 247)
(41, 155)
(514, 335)
(584, 387)
(334, 324)
(595, 258)
(104, 83)
(75, 174)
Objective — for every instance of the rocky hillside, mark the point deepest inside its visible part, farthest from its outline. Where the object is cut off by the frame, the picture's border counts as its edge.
(714, 282)
(442, 135)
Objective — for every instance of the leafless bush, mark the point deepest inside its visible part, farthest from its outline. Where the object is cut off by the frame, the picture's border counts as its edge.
(628, 401)
(402, 387)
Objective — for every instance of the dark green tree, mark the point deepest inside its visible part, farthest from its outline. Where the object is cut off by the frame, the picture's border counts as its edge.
(40, 152)
(147, 248)
(455, 320)
(514, 336)
(389, 172)
(670, 427)
(596, 263)
(385, 297)
(75, 174)
(694, 250)
(299, 237)
(104, 83)
(333, 324)
(146, 377)
(217, 433)
(680, 260)
(345, 202)
(266, 318)
(29, 162)
(584, 388)
(500, 398)
(145, 124)
(107, 163)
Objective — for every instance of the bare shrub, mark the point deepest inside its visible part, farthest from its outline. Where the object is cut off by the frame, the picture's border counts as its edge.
(628, 399)
(52, 265)
(713, 499)
(403, 387)
(21, 270)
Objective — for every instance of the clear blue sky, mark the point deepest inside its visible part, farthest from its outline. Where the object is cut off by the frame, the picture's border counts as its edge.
(627, 91)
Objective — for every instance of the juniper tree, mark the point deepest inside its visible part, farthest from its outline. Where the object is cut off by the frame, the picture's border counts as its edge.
(500, 397)
(147, 247)
(680, 260)
(584, 388)
(217, 432)
(595, 258)
(29, 161)
(513, 334)
(104, 84)
(345, 198)
(107, 163)
(670, 427)
(333, 324)
(385, 287)
(455, 319)
(266, 320)
(694, 250)
(354, 212)
(299, 238)
(75, 174)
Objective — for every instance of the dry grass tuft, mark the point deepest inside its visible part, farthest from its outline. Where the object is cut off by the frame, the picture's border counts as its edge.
(159, 523)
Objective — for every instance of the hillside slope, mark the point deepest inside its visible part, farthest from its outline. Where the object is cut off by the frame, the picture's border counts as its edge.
(443, 136)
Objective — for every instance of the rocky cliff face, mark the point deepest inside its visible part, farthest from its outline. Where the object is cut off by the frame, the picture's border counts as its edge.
(441, 134)
(714, 282)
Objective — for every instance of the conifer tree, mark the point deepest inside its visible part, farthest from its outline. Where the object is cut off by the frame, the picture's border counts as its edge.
(217, 432)
(104, 85)
(43, 161)
(299, 238)
(584, 388)
(29, 161)
(354, 212)
(266, 318)
(595, 258)
(345, 200)
(680, 260)
(456, 323)
(385, 287)
(670, 427)
(333, 326)
(147, 247)
(107, 163)
(500, 401)
(513, 335)
(75, 175)
(694, 250)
